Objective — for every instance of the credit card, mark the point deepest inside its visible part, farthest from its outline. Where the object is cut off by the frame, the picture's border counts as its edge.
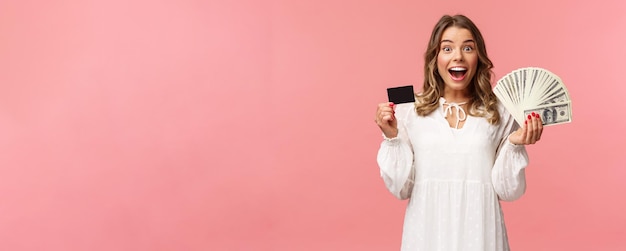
(401, 94)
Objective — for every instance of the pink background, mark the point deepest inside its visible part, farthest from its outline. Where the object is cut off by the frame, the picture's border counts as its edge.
(247, 125)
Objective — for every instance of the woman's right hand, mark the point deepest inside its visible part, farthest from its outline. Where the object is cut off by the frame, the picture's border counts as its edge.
(386, 119)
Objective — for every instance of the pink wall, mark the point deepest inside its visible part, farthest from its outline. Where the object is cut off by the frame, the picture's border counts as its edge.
(185, 125)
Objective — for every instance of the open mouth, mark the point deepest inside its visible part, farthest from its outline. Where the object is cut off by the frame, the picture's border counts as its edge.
(457, 73)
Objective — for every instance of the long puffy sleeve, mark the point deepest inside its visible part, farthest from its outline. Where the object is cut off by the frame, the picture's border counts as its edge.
(508, 175)
(395, 157)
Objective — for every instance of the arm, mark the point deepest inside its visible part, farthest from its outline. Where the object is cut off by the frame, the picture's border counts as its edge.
(395, 159)
(508, 175)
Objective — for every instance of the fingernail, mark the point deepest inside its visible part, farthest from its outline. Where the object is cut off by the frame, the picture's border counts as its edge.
(533, 114)
(526, 122)
(528, 116)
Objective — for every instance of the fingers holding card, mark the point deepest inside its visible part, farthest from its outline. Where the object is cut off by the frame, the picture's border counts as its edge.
(385, 115)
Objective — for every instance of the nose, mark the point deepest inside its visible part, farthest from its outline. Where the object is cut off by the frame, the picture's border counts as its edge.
(458, 55)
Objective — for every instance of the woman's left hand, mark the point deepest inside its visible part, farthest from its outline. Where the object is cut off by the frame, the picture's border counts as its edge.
(530, 133)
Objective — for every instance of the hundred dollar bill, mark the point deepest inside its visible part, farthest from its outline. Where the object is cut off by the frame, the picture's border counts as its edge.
(552, 114)
(555, 96)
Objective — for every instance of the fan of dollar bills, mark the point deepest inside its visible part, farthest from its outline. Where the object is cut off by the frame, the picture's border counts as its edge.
(533, 89)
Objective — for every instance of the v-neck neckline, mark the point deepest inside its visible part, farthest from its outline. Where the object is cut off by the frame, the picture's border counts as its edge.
(443, 118)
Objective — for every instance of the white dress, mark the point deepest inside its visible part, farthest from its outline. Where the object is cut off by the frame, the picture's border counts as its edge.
(453, 178)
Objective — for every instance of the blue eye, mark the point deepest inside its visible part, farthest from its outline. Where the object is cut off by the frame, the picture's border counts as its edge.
(446, 49)
(467, 49)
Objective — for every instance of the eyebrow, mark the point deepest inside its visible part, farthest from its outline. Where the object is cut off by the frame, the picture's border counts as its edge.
(450, 41)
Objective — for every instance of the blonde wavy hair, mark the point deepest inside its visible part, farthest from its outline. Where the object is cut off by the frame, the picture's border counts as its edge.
(483, 102)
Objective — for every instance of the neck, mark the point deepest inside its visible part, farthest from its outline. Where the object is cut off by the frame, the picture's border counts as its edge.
(456, 96)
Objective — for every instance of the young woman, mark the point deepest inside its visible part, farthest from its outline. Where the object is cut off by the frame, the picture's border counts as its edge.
(456, 152)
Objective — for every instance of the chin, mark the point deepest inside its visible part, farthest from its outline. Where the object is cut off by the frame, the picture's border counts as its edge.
(458, 87)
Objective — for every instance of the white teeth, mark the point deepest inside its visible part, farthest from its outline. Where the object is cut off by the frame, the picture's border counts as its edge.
(458, 69)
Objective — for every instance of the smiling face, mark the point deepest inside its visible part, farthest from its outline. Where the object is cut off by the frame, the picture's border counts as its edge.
(457, 59)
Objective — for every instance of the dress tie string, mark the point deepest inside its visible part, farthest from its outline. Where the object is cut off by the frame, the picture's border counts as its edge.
(459, 111)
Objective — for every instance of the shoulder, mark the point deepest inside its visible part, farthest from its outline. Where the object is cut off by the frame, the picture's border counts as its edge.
(505, 114)
(405, 108)
(406, 112)
(506, 118)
